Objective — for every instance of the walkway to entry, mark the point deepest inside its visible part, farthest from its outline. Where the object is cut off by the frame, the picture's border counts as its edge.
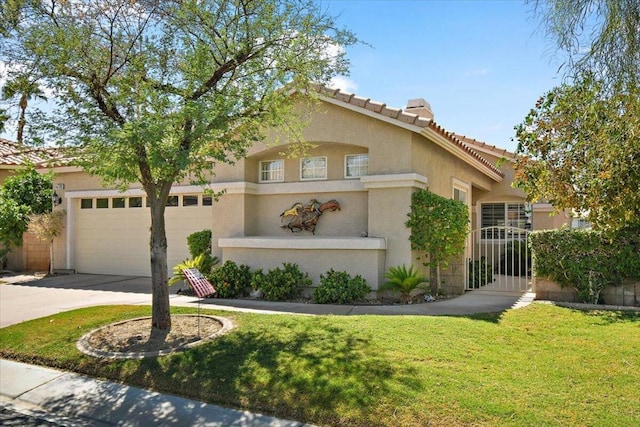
(20, 301)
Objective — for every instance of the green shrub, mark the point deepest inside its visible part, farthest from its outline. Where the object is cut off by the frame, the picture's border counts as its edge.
(281, 284)
(231, 280)
(587, 260)
(405, 281)
(200, 243)
(340, 288)
(480, 273)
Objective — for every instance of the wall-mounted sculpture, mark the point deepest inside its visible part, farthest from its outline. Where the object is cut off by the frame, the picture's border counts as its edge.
(300, 217)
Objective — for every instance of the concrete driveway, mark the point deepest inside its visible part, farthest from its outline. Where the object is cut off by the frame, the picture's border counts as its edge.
(24, 298)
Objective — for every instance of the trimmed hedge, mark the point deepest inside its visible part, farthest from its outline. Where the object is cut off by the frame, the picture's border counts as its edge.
(588, 260)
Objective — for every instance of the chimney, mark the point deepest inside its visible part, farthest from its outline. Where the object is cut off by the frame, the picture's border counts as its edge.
(420, 107)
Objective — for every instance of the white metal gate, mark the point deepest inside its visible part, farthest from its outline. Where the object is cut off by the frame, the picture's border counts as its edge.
(498, 259)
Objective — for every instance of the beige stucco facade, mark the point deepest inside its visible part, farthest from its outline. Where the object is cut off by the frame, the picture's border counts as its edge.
(406, 151)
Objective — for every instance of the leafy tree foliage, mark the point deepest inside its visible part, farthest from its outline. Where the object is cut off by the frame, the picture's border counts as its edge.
(28, 192)
(158, 92)
(13, 222)
(580, 149)
(598, 35)
(4, 117)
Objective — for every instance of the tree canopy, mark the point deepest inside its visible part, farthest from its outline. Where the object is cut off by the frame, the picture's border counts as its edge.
(579, 147)
(157, 92)
(598, 36)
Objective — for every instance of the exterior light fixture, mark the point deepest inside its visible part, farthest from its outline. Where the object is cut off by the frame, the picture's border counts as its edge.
(57, 200)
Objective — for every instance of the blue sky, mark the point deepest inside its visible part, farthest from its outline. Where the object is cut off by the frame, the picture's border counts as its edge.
(480, 64)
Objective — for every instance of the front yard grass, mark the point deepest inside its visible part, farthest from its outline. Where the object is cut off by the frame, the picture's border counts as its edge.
(540, 365)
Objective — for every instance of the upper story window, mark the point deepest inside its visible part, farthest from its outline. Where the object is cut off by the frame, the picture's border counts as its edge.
(272, 171)
(356, 165)
(313, 168)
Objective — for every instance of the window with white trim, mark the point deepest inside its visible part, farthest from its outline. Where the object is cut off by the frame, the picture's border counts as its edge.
(356, 165)
(313, 168)
(460, 195)
(272, 171)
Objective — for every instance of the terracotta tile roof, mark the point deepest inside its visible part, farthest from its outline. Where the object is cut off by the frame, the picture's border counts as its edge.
(483, 145)
(13, 154)
(408, 118)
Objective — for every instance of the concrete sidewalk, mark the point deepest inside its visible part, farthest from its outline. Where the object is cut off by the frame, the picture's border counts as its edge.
(67, 399)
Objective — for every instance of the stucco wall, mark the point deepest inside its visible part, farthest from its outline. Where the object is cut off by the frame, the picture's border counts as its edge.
(441, 168)
(315, 256)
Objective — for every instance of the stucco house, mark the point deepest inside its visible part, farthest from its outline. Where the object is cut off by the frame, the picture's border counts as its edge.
(367, 156)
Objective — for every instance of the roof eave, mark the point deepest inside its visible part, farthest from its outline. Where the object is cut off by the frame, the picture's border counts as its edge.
(425, 128)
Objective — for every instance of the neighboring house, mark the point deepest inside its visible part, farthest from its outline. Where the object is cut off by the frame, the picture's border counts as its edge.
(34, 254)
(366, 155)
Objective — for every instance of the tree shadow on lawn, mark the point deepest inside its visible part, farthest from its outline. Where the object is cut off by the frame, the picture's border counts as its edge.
(307, 369)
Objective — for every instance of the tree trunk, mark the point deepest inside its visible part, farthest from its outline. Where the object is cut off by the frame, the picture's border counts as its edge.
(21, 121)
(161, 313)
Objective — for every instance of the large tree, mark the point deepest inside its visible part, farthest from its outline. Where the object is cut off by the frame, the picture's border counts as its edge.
(597, 36)
(579, 147)
(157, 92)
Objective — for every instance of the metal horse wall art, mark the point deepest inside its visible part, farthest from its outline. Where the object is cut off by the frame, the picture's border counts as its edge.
(300, 217)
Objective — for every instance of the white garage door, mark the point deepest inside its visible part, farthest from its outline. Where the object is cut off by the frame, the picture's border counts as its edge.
(112, 233)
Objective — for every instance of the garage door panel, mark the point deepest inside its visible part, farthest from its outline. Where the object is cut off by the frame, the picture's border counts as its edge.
(116, 241)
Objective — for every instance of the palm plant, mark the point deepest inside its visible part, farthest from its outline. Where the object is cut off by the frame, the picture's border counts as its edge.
(403, 280)
(24, 88)
(198, 262)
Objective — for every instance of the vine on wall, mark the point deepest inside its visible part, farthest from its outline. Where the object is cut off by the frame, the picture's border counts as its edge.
(439, 228)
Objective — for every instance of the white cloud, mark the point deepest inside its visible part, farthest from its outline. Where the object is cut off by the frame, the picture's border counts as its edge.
(344, 84)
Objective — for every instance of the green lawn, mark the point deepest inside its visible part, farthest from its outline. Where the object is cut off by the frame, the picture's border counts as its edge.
(540, 365)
